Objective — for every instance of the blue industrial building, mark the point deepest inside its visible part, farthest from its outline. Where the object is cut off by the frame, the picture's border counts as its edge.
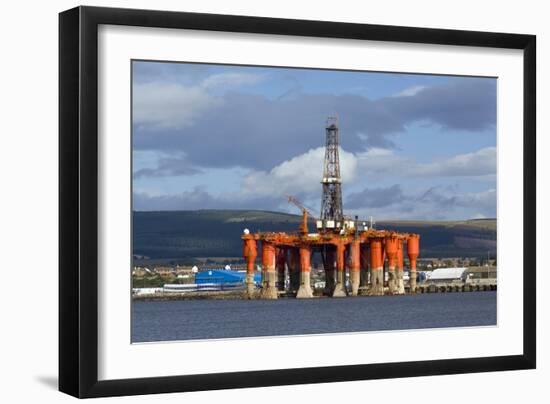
(224, 277)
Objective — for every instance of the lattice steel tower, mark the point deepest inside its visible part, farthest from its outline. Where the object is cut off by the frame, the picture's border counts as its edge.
(331, 202)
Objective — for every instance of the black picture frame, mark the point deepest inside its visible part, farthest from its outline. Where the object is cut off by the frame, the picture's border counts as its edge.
(78, 200)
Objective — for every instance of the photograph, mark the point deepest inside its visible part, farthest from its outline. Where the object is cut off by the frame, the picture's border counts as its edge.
(272, 201)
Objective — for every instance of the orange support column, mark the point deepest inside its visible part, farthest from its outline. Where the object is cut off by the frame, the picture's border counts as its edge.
(412, 251)
(399, 272)
(305, 269)
(376, 267)
(281, 264)
(269, 291)
(355, 266)
(250, 253)
(330, 266)
(391, 252)
(340, 288)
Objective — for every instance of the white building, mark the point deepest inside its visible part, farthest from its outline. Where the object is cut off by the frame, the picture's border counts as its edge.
(447, 274)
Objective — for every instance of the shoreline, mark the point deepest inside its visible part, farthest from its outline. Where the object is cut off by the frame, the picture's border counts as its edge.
(240, 294)
(209, 295)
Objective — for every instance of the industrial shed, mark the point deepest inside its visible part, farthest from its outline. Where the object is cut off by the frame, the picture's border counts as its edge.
(223, 276)
(447, 274)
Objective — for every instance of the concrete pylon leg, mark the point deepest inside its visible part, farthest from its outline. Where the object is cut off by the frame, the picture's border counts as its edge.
(250, 287)
(377, 282)
(363, 282)
(391, 247)
(376, 268)
(355, 277)
(270, 289)
(400, 283)
(263, 282)
(355, 266)
(365, 290)
(392, 281)
(412, 281)
(340, 288)
(400, 265)
(269, 285)
(304, 291)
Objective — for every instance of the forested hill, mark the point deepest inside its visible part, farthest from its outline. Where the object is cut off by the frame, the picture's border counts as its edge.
(216, 233)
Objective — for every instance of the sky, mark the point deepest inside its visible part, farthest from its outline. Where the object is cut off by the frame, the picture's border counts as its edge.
(412, 146)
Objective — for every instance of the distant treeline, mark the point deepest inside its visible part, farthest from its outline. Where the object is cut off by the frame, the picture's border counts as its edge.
(216, 233)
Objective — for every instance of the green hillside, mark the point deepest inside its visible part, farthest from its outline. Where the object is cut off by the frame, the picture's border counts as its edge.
(216, 233)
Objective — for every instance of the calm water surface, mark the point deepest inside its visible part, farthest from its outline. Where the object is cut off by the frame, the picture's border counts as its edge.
(204, 319)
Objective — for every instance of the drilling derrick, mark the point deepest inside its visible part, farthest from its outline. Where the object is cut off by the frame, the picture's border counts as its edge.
(331, 202)
(347, 248)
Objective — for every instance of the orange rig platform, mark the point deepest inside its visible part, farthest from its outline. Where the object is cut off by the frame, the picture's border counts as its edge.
(364, 251)
(344, 244)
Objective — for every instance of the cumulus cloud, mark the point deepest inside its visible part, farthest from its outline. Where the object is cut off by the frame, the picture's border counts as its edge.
(173, 105)
(377, 162)
(253, 131)
(392, 202)
(300, 175)
(197, 121)
(169, 105)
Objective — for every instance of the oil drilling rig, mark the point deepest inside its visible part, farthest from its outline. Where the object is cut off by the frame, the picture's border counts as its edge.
(346, 246)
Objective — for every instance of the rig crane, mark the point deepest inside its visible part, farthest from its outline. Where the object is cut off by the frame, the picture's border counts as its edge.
(305, 213)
